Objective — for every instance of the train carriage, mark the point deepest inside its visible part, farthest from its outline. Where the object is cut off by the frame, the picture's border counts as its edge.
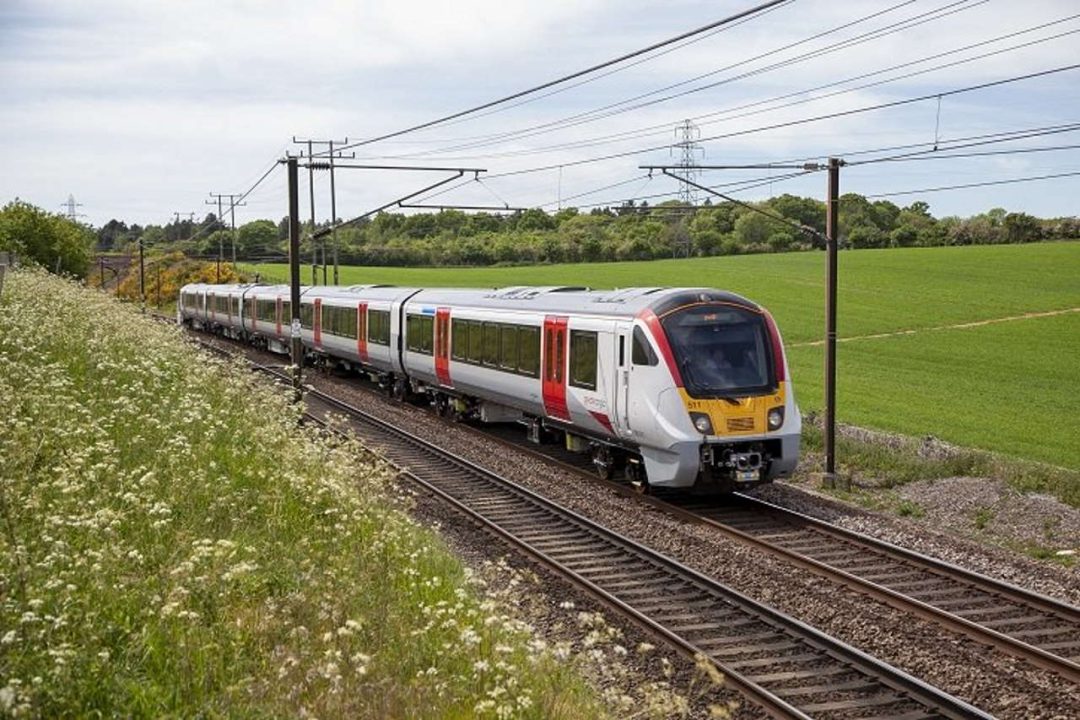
(360, 325)
(674, 387)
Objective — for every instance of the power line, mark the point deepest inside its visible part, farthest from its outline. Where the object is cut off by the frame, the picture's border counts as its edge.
(801, 121)
(934, 155)
(990, 138)
(973, 185)
(572, 76)
(703, 119)
(628, 65)
(595, 114)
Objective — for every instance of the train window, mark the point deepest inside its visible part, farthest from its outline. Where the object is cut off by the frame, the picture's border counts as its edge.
(459, 339)
(412, 332)
(427, 334)
(379, 327)
(476, 341)
(529, 351)
(307, 315)
(266, 310)
(347, 322)
(286, 313)
(583, 359)
(420, 333)
(327, 316)
(508, 345)
(642, 353)
(234, 305)
(490, 350)
(339, 321)
(622, 351)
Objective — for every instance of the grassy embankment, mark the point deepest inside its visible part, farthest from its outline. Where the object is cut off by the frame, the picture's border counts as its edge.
(174, 545)
(1004, 387)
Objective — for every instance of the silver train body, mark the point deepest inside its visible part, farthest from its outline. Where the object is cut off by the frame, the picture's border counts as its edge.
(672, 387)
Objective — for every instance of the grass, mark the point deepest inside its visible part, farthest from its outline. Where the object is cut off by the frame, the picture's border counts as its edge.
(173, 543)
(1003, 387)
(1007, 387)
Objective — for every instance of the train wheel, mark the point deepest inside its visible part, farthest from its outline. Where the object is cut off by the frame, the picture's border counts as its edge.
(638, 479)
(603, 461)
(442, 405)
(400, 389)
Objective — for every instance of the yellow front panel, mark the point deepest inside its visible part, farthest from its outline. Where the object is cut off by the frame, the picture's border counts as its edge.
(744, 416)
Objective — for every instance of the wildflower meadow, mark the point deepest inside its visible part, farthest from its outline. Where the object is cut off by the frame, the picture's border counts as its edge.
(174, 543)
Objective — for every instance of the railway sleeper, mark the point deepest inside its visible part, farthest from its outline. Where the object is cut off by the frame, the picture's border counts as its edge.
(746, 651)
(794, 675)
(804, 690)
(887, 698)
(794, 660)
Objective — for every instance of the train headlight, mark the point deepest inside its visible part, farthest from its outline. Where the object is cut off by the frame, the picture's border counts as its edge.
(702, 423)
(776, 418)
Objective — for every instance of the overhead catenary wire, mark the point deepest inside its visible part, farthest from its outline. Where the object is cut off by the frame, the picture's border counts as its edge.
(729, 114)
(799, 121)
(963, 186)
(614, 70)
(572, 76)
(610, 109)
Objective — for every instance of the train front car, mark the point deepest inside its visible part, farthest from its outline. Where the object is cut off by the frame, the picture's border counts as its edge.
(710, 393)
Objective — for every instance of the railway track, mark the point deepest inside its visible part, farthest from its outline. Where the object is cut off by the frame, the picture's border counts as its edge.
(779, 663)
(1035, 628)
(1038, 629)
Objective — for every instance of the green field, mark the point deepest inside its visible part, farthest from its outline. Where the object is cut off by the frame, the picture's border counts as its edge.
(1009, 387)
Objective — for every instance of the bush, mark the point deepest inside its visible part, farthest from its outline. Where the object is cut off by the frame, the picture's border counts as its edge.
(52, 241)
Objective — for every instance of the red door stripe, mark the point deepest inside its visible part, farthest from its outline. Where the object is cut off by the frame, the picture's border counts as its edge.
(442, 346)
(277, 303)
(316, 322)
(554, 370)
(361, 331)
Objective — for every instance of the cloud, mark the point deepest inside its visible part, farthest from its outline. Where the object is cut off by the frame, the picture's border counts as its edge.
(138, 107)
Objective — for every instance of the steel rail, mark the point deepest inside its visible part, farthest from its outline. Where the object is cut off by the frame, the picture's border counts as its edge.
(1067, 668)
(878, 676)
(1002, 641)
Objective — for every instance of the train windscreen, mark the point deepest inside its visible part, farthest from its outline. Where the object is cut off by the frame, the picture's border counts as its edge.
(721, 350)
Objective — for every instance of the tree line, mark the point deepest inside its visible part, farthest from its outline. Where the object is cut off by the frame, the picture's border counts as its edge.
(626, 232)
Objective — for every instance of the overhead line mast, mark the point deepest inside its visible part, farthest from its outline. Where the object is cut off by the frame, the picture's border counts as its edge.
(329, 165)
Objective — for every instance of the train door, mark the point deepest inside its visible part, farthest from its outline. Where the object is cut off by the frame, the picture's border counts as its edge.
(442, 346)
(316, 321)
(621, 386)
(554, 367)
(361, 331)
(277, 313)
(647, 378)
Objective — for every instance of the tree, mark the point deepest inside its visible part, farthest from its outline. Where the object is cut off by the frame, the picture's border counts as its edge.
(50, 240)
(1021, 228)
(255, 238)
(110, 234)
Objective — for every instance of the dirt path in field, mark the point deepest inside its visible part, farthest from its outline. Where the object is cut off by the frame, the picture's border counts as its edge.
(958, 326)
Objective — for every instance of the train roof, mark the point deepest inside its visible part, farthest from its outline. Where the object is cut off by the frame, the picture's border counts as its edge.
(577, 300)
(569, 299)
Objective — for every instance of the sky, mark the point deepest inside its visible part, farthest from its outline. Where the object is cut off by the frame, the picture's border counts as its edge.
(142, 109)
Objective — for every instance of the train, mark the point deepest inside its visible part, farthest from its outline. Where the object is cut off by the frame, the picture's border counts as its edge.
(682, 388)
